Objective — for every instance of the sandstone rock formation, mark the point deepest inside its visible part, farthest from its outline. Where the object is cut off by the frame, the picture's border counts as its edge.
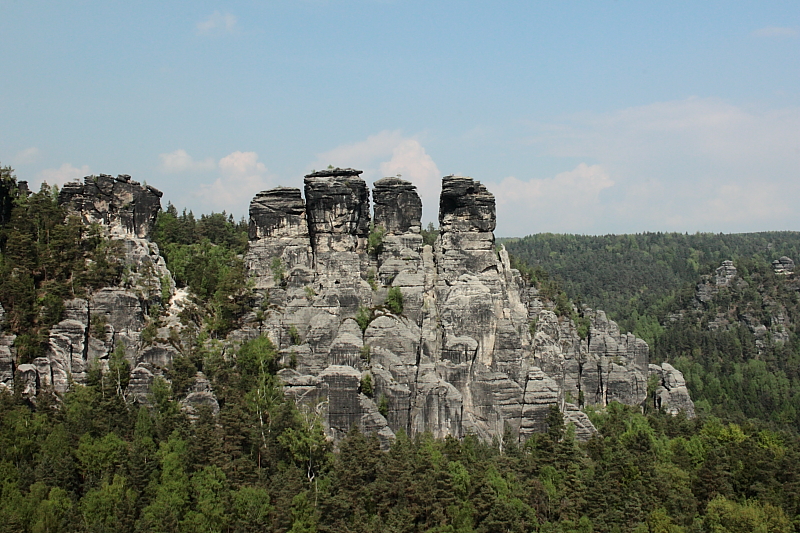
(121, 204)
(671, 393)
(474, 350)
(462, 357)
(783, 265)
(94, 326)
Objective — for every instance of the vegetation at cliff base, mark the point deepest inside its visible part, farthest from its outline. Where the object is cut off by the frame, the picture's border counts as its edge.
(99, 463)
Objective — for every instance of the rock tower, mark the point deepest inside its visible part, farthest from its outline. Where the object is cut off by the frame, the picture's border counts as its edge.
(462, 357)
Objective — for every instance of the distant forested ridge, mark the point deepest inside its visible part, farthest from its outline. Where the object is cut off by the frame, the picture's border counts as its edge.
(641, 274)
(736, 338)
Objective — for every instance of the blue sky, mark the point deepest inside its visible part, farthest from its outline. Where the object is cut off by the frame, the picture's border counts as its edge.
(581, 117)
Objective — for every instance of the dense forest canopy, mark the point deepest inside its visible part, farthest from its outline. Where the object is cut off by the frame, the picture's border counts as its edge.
(641, 273)
(649, 282)
(94, 461)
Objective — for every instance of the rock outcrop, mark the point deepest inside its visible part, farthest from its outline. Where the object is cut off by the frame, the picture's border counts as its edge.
(124, 206)
(784, 265)
(462, 357)
(374, 328)
(93, 327)
(671, 393)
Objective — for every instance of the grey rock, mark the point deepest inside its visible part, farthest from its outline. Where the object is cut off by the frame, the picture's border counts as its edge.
(120, 203)
(584, 429)
(671, 393)
(398, 208)
(337, 202)
(201, 395)
(140, 383)
(461, 358)
(27, 379)
(783, 266)
(465, 205)
(279, 212)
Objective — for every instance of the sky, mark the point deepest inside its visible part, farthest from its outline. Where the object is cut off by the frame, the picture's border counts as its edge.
(580, 117)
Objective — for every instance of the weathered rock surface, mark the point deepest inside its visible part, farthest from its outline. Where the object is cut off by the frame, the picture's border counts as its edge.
(121, 204)
(6, 356)
(398, 208)
(200, 396)
(671, 394)
(783, 265)
(462, 357)
(93, 327)
(474, 351)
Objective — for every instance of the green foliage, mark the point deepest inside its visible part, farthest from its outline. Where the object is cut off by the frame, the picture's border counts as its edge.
(309, 292)
(363, 317)
(563, 305)
(278, 271)
(263, 464)
(394, 300)
(365, 386)
(583, 325)
(294, 335)
(98, 325)
(429, 234)
(46, 257)
(375, 239)
(205, 256)
(364, 353)
(622, 273)
(383, 405)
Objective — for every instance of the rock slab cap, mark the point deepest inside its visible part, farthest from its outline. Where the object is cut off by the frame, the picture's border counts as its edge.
(465, 205)
(398, 208)
(278, 212)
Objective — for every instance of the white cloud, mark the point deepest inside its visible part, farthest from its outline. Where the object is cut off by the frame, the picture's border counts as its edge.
(389, 153)
(60, 176)
(217, 22)
(684, 165)
(775, 31)
(566, 203)
(363, 155)
(241, 177)
(26, 156)
(180, 161)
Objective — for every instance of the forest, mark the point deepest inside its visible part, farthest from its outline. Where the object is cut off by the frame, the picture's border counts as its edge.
(94, 461)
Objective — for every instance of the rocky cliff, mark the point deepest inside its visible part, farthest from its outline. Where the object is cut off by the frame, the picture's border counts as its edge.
(462, 357)
(374, 328)
(110, 318)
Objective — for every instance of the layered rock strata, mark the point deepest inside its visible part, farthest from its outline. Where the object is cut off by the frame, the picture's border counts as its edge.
(93, 327)
(462, 357)
(472, 351)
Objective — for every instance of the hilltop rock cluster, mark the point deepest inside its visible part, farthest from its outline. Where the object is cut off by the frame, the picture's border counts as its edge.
(374, 327)
(93, 327)
(462, 357)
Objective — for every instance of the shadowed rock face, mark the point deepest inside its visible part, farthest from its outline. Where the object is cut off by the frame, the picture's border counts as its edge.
(398, 208)
(124, 205)
(465, 205)
(337, 202)
(278, 212)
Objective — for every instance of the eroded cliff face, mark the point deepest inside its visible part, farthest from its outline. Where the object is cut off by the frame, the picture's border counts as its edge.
(124, 211)
(473, 351)
(462, 357)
